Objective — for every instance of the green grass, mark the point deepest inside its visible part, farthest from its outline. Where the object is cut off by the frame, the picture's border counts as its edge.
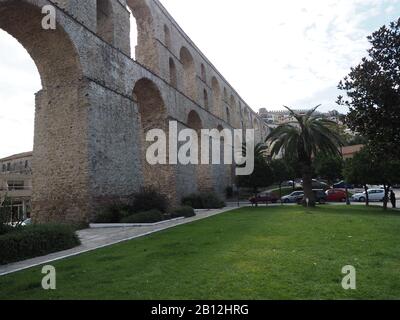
(251, 253)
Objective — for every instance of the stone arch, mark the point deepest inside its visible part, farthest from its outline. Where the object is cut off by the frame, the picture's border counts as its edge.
(203, 172)
(146, 49)
(205, 98)
(105, 20)
(225, 95)
(203, 73)
(172, 73)
(257, 131)
(194, 121)
(189, 73)
(153, 115)
(216, 90)
(167, 37)
(59, 170)
(228, 115)
(233, 106)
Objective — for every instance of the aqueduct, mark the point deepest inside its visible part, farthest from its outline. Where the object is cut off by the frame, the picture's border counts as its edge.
(96, 102)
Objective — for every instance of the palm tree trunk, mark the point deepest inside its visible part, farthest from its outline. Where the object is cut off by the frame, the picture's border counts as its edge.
(307, 187)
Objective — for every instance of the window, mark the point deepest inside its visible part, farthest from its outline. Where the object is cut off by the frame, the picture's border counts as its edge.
(15, 185)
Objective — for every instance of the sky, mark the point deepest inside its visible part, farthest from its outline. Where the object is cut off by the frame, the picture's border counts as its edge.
(274, 53)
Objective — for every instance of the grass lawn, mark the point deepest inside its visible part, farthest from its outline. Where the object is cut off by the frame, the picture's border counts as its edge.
(251, 253)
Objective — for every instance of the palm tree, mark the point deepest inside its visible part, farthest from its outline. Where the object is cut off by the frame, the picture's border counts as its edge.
(302, 140)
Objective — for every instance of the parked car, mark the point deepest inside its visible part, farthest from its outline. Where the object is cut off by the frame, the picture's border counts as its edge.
(316, 184)
(27, 222)
(289, 183)
(336, 195)
(266, 197)
(293, 197)
(319, 195)
(377, 195)
(373, 186)
(343, 185)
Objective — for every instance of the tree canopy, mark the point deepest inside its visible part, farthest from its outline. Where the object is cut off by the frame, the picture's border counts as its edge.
(373, 92)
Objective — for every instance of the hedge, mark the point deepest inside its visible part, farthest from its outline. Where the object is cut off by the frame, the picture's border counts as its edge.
(34, 241)
(203, 201)
(186, 212)
(151, 216)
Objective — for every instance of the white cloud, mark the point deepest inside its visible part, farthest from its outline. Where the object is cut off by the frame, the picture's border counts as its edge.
(273, 53)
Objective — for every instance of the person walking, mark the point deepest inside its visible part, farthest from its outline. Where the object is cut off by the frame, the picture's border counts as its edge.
(393, 199)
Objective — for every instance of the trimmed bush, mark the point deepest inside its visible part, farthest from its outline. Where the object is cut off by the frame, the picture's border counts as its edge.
(186, 212)
(112, 214)
(34, 241)
(151, 216)
(149, 199)
(203, 201)
(5, 229)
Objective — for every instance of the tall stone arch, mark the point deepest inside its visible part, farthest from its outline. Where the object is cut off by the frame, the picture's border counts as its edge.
(217, 97)
(146, 49)
(153, 115)
(60, 166)
(203, 171)
(105, 20)
(189, 73)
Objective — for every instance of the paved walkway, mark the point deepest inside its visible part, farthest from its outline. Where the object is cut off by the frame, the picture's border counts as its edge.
(93, 239)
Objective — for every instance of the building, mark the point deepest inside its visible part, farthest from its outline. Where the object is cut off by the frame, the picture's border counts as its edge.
(350, 151)
(278, 117)
(16, 183)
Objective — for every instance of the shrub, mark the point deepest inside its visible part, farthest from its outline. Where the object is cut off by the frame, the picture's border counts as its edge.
(148, 199)
(203, 201)
(151, 216)
(34, 241)
(186, 212)
(112, 214)
(5, 229)
(229, 192)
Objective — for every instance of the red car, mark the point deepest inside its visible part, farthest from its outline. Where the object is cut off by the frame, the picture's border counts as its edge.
(336, 195)
(266, 197)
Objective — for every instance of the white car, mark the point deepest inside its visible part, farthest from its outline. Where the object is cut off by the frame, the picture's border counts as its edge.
(377, 195)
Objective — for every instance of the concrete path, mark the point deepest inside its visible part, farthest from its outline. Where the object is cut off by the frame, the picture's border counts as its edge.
(93, 239)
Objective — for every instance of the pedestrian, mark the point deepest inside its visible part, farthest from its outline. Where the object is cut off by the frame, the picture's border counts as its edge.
(393, 199)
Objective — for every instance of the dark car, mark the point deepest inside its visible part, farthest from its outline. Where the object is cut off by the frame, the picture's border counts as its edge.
(343, 185)
(319, 195)
(266, 197)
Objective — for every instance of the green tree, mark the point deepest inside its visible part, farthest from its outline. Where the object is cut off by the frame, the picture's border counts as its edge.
(359, 170)
(309, 135)
(373, 93)
(282, 172)
(328, 167)
(369, 168)
(262, 175)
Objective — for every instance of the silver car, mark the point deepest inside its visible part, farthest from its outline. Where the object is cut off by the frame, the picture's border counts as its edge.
(294, 197)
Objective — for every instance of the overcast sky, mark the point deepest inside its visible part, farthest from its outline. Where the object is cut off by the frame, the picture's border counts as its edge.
(274, 53)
